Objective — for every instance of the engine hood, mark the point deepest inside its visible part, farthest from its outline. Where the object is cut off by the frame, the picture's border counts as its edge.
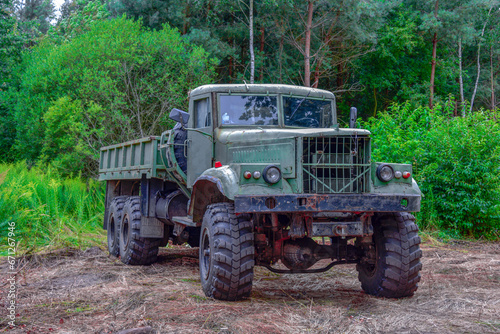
(253, 134)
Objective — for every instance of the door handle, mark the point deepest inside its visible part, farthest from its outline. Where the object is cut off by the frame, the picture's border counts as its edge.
(186, 146)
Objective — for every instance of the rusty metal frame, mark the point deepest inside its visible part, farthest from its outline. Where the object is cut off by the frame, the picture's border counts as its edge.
(308, 271)
(328, 203)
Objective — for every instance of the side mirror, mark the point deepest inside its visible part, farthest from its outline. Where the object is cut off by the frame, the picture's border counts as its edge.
(353, 117)
(179, 116)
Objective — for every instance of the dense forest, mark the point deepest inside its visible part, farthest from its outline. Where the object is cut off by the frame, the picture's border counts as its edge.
(424, 76)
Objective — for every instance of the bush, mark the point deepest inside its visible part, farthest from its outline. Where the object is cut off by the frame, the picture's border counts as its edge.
(113, 83)
(455, 162)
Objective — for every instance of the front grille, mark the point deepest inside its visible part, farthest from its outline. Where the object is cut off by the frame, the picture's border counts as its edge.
(336, 164)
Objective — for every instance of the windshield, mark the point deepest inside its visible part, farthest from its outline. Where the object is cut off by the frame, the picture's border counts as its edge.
(249, 110)
(308, 113)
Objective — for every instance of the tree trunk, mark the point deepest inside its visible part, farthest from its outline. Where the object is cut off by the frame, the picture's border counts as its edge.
(261, 76)
(233, 60)
(492, 81)
(187, 13)
(340, 80)
(460, 77)
(477, 78)
(280, 62)
(307, 55)
(230, 69)
(479, 61)
(433, 66)
(317, 73)
(433, 69)
(252, 54)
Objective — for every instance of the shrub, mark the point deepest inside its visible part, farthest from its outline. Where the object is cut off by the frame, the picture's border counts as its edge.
(455, 162)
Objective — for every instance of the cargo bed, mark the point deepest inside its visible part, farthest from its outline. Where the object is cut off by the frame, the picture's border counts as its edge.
(132, 159)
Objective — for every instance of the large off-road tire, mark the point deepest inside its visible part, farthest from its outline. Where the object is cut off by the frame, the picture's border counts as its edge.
(226, 253)
(135, 250)
(395, 269)
(114, 220)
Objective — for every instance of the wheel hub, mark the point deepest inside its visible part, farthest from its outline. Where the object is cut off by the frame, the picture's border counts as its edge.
(112, 231)
(206, 258)
(125, 231)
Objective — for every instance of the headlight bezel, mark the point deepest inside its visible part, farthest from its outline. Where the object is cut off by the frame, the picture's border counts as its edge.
(266, 177)
(381, 171)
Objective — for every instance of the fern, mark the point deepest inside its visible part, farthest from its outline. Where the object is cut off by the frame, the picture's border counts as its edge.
(49, 211)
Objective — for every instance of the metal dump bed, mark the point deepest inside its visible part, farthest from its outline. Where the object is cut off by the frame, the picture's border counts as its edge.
(132, 159)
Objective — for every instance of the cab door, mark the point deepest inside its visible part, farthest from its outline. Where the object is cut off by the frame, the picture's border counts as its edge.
(200, 138)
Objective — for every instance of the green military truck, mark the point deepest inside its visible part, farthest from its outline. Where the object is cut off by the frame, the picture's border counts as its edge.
(263, 175)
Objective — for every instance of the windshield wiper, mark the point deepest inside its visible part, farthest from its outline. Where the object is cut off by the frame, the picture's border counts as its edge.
(300, 103)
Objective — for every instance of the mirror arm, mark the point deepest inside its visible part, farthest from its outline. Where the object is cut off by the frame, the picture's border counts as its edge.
(353, 117)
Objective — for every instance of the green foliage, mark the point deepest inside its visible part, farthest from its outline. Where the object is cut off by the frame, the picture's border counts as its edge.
(400, 48)
(11, 42)
(67, 131)
(7, 131)
(116, 82)
(49, 212)
(455, 162)
(35, 16)
(77, 17)
(153, 13)
(11, 45)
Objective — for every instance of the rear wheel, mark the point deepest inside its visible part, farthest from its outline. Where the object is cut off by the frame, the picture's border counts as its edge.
(226, 253)
(114, 220)
(391, 264)
(134, 249)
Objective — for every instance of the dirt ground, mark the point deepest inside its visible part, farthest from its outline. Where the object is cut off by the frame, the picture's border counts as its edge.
(90, 292)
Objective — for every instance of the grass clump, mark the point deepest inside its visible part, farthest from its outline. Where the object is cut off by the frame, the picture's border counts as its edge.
(49, 211)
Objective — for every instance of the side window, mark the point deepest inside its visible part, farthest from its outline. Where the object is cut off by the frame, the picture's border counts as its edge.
(202, 113)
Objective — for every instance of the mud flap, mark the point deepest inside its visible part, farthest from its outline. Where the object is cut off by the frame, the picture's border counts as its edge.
(151, 228)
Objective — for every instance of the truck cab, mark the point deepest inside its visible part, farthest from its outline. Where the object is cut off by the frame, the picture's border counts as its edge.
(258, 175)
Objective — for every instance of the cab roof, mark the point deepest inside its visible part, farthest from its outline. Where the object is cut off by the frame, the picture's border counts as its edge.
(263, 89)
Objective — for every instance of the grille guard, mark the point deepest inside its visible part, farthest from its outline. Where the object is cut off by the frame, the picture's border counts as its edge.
(337, 164)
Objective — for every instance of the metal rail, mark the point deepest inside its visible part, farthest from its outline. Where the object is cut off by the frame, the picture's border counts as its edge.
(309, 271)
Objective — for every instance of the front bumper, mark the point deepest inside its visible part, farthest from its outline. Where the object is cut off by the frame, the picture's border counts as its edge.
(327, 202)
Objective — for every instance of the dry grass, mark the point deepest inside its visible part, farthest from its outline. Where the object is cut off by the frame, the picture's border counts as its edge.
(89, 292)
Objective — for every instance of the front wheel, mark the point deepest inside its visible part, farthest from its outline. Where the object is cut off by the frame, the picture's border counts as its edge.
(391, 263)
(226, 253)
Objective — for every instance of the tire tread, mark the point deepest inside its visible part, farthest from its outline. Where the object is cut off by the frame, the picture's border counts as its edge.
(398, 273)
(116, 212)
(234, 253)
(141, 251)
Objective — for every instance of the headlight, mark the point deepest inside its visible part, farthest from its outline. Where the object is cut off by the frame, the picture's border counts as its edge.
(271, 174)
(385, 173)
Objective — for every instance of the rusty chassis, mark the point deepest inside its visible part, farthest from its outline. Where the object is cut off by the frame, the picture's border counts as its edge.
(274, 242)
(308, 271)
(312, 203)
